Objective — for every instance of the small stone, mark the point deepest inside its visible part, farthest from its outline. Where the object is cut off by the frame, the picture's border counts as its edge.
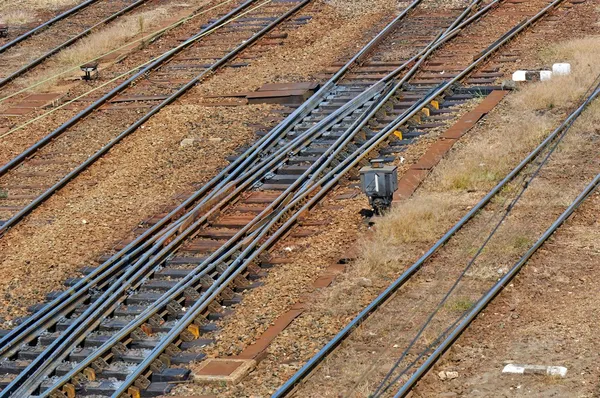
(84, 221)
(442, 375)
(187, 142)
(365, 282)
(451, 375)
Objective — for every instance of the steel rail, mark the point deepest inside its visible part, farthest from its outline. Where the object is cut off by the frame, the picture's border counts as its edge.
(228, 275)
(91, 108)
(417, 61)
(122, 86)
(215, 24)
(588, 97)
(36, 320)
(108, 295)
(239, 234)
(48, 193)
(260, 171)
(46, 24)
(214, 290)
(363, 315)
(495, 290)
(41, 58)
(123, 254)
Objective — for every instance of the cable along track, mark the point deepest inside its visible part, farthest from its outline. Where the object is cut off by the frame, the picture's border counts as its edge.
(158, 294)
(44, 168)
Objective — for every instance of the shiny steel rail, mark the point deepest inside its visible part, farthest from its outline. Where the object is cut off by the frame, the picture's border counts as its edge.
(32, 64)
(45, 25)
(305, 371)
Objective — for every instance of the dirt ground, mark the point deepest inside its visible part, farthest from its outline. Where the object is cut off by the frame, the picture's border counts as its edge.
(544, 318)
(144, 172)
(141, 175)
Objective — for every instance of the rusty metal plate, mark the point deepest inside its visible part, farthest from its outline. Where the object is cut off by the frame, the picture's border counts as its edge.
(263, 342)
(218, 368)
(467, 121)
(409, 182)
(434, 154)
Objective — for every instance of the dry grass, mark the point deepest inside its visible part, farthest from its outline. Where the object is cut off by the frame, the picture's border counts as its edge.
(28, 9)
(472, 170)
(111, 37)
(530, 115)
(96, 45)
(583, 56)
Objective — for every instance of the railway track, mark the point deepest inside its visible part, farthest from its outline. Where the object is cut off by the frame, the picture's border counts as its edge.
(158, 294)
(24, 55)
(154, 289)
(417, 359)
(41, 170)
(18, 38)
(140, 310)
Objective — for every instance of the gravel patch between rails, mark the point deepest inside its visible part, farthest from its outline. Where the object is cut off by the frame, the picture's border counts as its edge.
(141, 174)
(132, 182)
(307, 51)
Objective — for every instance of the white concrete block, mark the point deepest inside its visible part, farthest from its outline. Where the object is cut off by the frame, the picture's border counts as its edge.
(519, 76)
(561, 69)
(512, 368)
(545, 75)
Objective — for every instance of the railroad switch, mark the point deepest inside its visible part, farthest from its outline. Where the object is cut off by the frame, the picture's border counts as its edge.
(90, 71)
(3, 30)
(379, 183)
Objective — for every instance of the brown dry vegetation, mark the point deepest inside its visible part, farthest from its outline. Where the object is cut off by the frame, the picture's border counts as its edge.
(111, 37)
(526, 119)
(456, 184)
(28, 9)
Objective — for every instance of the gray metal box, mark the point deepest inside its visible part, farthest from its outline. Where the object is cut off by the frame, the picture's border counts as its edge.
(379, 182)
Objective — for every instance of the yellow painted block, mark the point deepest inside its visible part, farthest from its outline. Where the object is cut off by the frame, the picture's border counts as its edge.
(69, 390)
(89, 374)
(425, 111)
(134, 392)
(398, 134)
(435, 104)
(194, 329)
